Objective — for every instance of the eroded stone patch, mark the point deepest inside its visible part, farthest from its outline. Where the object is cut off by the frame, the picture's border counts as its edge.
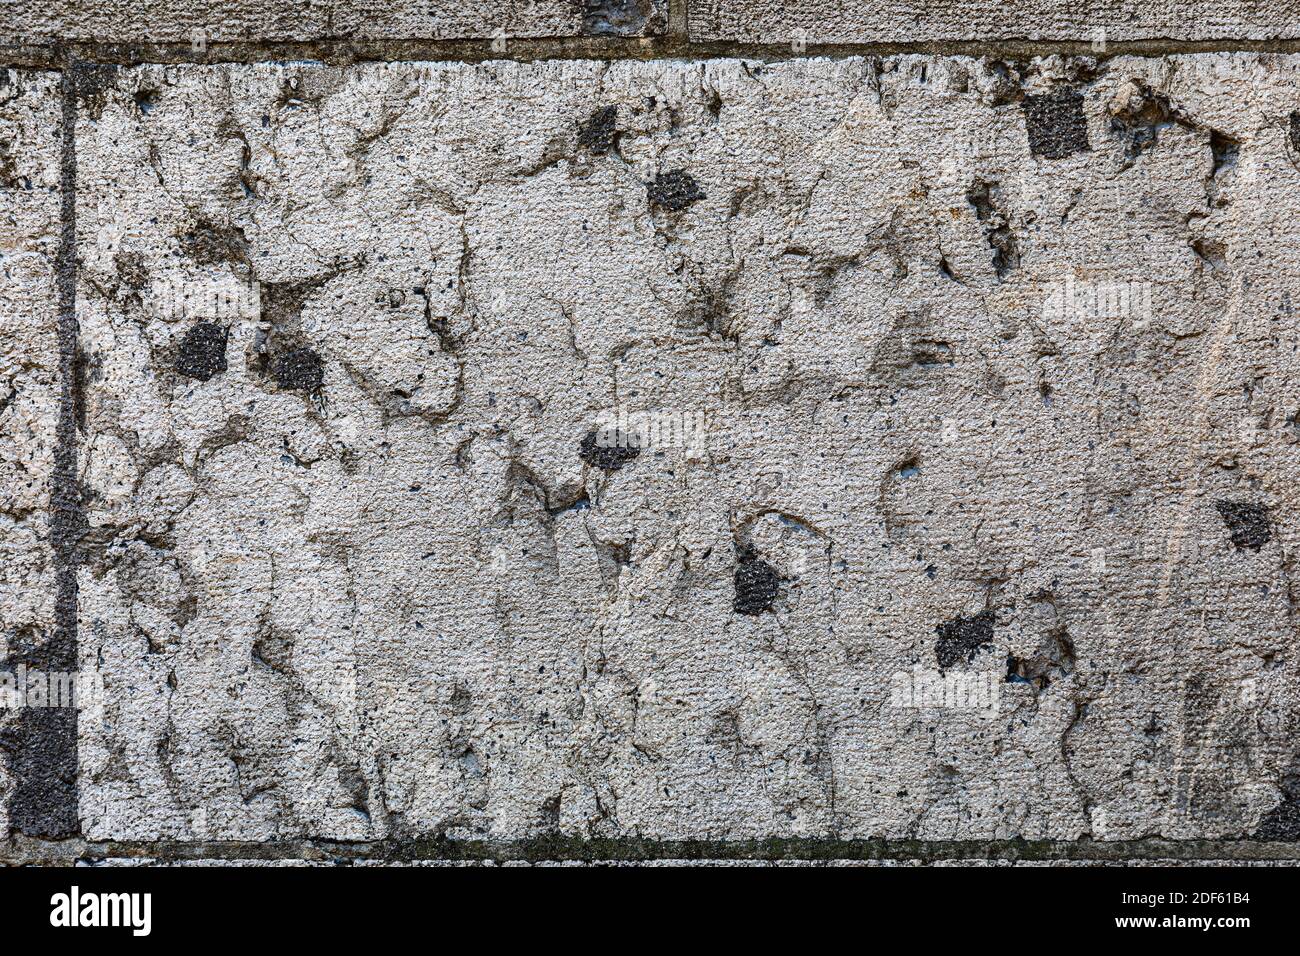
(617, 17)
(986, 197)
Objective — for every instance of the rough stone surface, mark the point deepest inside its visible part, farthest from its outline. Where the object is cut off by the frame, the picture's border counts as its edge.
(281, 20)
(973, 400)
(403, 602)
(831, 21)
(29, 404)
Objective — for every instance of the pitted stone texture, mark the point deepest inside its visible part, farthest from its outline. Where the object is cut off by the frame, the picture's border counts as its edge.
(1096, 21)
(403, 603)
(227, 21)
(29, 380)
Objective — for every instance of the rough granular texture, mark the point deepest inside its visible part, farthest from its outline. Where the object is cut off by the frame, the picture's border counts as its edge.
(266, 21)
(300, 370)
(1247, 522)
(1294, 132)
(202, 352)
(37, 746)
(963, 637)
(834, 21)
(1056, 123)
(674, 191)
(599, 134)
(207, 244)
(610, 457)
(756, 584)
(417, 606)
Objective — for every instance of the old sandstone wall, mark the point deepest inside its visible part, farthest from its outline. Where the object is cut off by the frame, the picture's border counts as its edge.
(645, 451)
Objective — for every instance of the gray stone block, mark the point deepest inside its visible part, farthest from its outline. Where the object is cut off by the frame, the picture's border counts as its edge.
(237, 21)
(1002, 395)
(29, 414)
(960, 505)
(898, 21)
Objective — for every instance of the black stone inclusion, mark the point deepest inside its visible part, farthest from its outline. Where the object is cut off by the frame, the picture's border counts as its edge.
(963, 637)
(599, 133)
(1056, 124)
(1282, 822)
(202, 352)
(300, 370)
(756, 584)
(1247, 523)
(674, 191)
(610, 458)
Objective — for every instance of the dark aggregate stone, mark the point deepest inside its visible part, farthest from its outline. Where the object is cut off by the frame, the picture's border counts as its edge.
(38, 745)
(674, 190)
(300, 370)
(1282, 822)
(1056, 124)
(600, 133)
(1247, 523)
(756, 584)
(202, 352)
(963, 637)
(610, 458)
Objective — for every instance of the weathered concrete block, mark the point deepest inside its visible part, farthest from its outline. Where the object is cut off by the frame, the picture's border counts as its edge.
(283, 20)
(966, 502)
(1096, 21)
(29, 412)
